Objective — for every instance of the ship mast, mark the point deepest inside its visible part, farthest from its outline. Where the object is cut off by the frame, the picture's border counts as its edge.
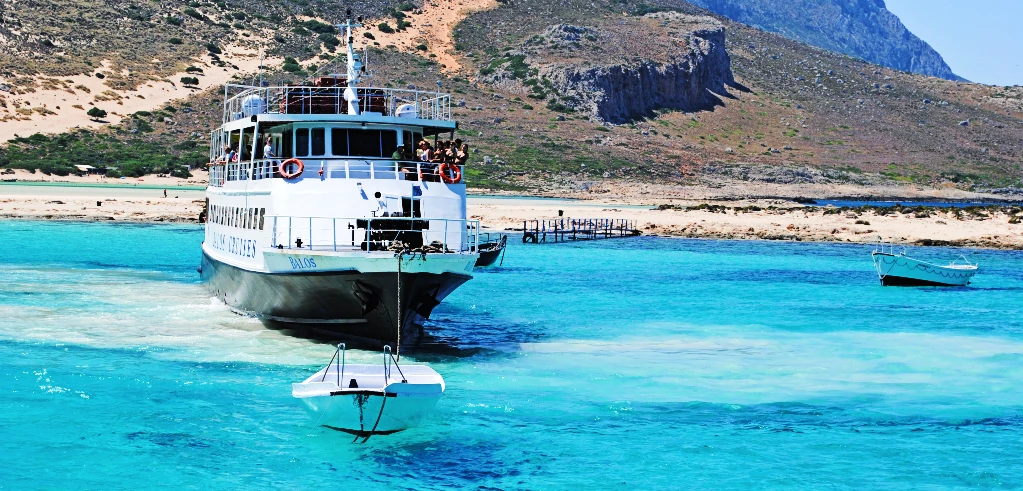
(354, 63)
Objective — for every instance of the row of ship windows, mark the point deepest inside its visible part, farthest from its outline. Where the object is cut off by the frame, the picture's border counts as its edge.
(232, 216)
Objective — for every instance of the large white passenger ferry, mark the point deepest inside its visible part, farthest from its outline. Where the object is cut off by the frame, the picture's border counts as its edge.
(329, 230)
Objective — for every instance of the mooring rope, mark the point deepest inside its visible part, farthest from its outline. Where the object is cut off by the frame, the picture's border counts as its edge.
(397, 349)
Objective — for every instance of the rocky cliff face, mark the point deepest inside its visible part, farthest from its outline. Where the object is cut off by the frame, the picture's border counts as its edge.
(860, 28)
(687, 71)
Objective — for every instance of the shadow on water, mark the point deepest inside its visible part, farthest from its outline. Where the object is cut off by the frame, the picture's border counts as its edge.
(441, 338)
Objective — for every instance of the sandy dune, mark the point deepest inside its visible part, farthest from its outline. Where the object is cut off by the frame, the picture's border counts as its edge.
(52, 110)
(432, 26)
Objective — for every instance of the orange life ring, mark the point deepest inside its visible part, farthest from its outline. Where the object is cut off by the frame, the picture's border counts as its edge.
(456, 173)
(299, 168)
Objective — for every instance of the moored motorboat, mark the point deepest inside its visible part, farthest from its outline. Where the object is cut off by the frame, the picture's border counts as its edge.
(370, 399)
(898, 269)
(490, 250)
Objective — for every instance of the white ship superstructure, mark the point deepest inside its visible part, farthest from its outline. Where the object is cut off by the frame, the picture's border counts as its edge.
(315, 232)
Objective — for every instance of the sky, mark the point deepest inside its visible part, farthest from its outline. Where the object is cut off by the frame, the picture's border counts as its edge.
(982, 40)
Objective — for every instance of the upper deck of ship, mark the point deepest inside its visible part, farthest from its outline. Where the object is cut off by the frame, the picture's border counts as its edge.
(331, 99)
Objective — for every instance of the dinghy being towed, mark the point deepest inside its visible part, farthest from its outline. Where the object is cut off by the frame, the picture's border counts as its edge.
(900, 270)
(370, 399)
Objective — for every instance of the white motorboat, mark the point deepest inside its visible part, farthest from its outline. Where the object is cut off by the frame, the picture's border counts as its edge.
(898, 269)
(370, 399)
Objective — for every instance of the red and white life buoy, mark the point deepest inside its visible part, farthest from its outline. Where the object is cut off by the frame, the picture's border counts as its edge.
(450, 173)
(299, 168)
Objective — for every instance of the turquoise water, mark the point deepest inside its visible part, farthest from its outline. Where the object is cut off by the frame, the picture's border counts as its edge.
(637, 363)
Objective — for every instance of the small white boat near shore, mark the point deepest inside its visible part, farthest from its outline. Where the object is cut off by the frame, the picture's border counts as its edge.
(370, 399)
(898, 269)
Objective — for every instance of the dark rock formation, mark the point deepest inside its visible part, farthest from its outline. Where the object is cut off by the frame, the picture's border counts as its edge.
(690, 79)
(860, 28)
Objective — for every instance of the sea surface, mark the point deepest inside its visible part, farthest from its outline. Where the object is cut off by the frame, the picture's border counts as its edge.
(642, 363)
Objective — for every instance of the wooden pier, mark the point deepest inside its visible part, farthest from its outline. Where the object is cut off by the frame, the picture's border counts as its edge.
(567, 229)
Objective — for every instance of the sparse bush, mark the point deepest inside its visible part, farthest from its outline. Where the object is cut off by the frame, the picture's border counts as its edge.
(175, 41)
(194, 14)
(369, 35)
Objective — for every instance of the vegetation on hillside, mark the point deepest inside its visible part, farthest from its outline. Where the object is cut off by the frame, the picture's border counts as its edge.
(805, 108)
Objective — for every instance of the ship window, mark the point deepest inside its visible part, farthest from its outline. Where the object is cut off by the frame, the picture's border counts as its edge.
(406, 141)
(286, 145)
(319, 142)
(262, 215)
(364, 143)
(302, 142)
(339, 141)
(388, 142)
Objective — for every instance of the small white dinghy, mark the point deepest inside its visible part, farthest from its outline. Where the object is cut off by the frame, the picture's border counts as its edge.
(366, 400)
(900, 270)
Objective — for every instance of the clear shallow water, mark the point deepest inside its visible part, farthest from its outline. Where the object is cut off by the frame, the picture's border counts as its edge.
(639, 363)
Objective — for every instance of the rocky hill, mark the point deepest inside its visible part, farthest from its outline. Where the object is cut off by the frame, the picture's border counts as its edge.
(580, 94)
(861, 28)
(586, 69)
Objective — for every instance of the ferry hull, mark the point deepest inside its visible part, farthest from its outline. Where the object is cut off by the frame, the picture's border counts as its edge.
(349, 303)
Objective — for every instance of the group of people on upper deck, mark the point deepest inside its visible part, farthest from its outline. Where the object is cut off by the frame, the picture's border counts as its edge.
(432, 158)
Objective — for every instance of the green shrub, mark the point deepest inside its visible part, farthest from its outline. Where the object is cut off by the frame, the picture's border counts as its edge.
(96, 113)
(190, 80)
(174, 40)
(213, 48)
(385, 28)
(174, 21)
(194, 14)
(559, 107)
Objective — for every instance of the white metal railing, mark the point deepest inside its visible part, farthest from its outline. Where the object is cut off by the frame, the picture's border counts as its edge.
(331, 100)
(431, 235)
(402, 170)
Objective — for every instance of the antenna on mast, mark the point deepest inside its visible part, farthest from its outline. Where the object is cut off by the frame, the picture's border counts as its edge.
(355, 67)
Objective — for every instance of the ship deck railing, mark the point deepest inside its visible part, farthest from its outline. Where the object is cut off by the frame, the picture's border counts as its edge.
(328, 168)
(305, 100)
(383, 233)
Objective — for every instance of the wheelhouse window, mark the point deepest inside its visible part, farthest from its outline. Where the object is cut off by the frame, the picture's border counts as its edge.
(363, 143)
(302, 142)
(319, 141)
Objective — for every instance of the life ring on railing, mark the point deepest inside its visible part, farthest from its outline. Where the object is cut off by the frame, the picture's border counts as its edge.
(454, 177)
(299, 168)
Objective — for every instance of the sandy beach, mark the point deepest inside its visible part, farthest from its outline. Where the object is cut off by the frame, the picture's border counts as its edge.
(104, 199)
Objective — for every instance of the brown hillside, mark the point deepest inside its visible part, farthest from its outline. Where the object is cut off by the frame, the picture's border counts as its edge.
(796, 113)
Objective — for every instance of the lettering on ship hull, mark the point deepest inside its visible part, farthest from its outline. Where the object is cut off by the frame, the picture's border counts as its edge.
(233, 245)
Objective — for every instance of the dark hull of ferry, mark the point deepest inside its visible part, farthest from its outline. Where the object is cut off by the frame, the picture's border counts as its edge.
(361, 306)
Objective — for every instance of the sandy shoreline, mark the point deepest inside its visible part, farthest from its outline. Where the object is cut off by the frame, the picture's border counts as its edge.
(721, 218)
